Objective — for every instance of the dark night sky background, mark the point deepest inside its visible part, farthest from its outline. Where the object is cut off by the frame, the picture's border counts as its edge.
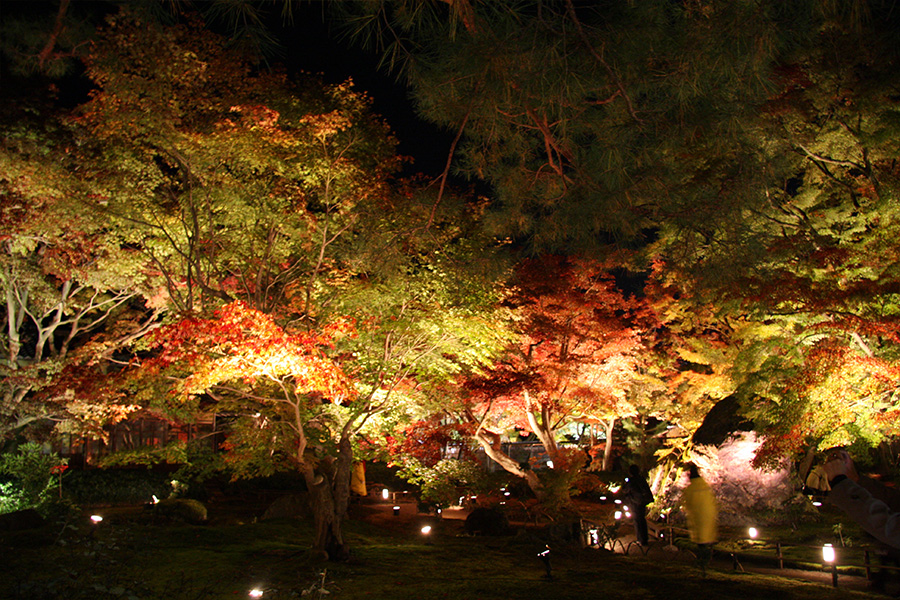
(309, 45)
(306, 45)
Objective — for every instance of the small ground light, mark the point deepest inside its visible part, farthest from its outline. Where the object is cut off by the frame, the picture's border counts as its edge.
(385, 493)
(426, 530)
(396, 510)
(96, 518)
(753, 533)
(256, 593)
(828, 557)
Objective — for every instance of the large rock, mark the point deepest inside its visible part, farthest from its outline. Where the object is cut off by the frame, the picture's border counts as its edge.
(289, 506)
(21, 519)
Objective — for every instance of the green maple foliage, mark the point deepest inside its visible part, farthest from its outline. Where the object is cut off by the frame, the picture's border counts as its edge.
(236, 182)
(73, 295)
(792, 242)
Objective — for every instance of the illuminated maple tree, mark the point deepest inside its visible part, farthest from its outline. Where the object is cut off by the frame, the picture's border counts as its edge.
(284, 393)
(73, 295)
(579, 356)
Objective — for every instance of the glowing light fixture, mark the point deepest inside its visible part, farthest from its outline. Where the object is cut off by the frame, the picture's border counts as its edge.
(154, 499)
(753, 533)
(96, 518)
(396, 510)
(385, 493)
(618, 514)
(828, 553)
(426, 530)
(549, 464)
(256, 593)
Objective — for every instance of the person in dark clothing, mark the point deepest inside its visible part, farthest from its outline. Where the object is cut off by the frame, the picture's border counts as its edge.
(638, 495)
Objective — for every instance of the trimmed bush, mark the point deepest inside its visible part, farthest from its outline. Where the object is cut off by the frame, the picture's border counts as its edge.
(117, 486)
(487, 521)
(181, 509)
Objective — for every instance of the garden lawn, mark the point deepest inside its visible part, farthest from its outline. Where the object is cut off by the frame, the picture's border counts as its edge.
(131, 555)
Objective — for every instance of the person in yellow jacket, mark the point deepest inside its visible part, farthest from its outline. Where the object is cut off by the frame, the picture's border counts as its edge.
(699, 505)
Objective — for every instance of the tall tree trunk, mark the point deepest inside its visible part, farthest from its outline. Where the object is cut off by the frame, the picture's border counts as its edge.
(329, 497)
(607, 450)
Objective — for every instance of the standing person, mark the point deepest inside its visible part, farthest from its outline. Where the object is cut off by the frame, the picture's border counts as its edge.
(638, 495)
(848, 492)
(874, 506)
(699, 505)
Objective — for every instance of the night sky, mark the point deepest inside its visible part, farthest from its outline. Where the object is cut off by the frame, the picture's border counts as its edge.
(306, 45)
(309, 45)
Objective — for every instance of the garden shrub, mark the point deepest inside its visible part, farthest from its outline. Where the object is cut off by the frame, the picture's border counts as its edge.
(28, 478)
(117, 486)
(182, 509)
(487, 521)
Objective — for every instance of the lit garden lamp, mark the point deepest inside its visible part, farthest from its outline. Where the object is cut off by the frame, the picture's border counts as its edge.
(384, 494)
(255, 593)
(829, 557)
(396, 511)
(617, 514)
(594, 537)
(426, 533)
(95, 520)
(752, 533)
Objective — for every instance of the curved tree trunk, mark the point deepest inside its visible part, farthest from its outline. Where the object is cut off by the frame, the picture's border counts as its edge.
(490, 442)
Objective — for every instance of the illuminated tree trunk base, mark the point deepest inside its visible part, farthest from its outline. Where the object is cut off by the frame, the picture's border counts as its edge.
(329, 497)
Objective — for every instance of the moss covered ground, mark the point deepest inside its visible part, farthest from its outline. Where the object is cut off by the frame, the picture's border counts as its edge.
(133, 554)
